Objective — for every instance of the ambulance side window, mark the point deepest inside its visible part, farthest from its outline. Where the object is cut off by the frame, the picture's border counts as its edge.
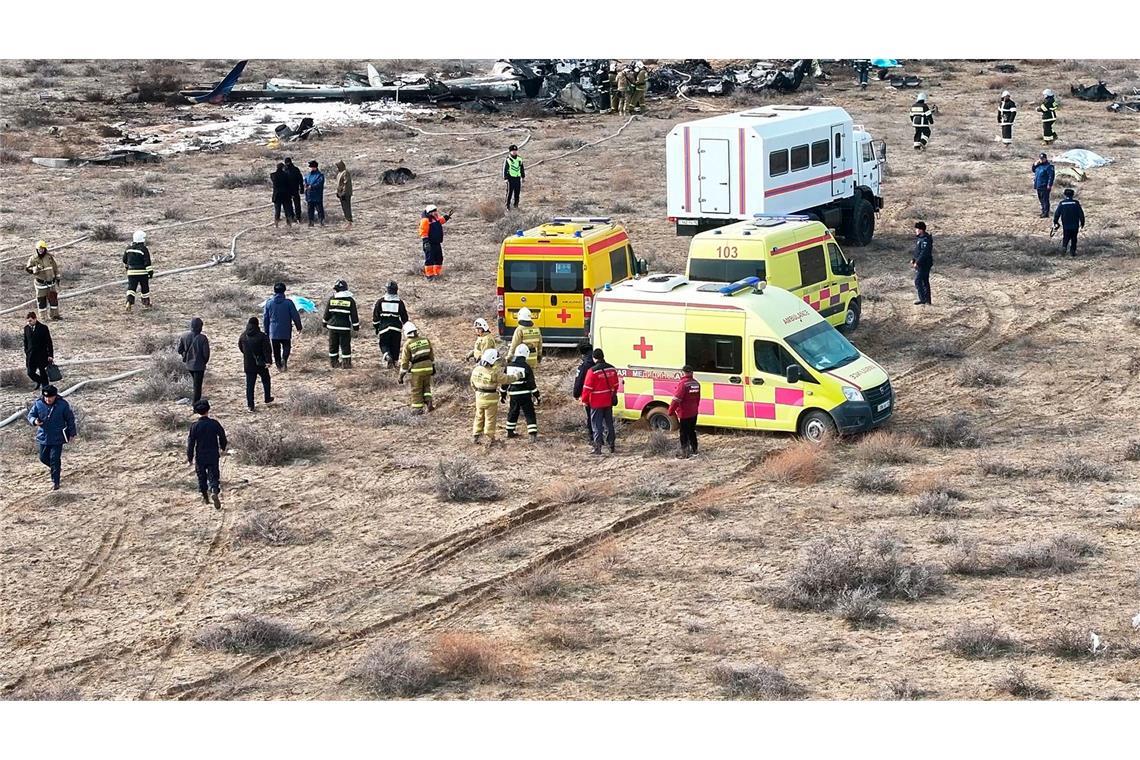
(774, 359)
(813, 268)
(800, 158)
(839, 265)
(819, 153)
(522, 276)
(714, 353)
(777, 163)
(619, 263)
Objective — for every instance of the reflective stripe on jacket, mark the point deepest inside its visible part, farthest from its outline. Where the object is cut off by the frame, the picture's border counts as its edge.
(137, 260)
(340, 312)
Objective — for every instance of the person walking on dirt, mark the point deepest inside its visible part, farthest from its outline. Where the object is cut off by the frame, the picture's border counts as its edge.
(1043, 176)
(342, 321)
(431, 236)
(39, 351)
(1007, 112)
(194, 348)
(514, 173)
(862, 68)
(315, 194)
(389, 315)
(483, 339)
(139, 270)
(418, 357)
(344, 191)
(486, 379)
(922, 261)
(584, 366)
(922, 119)
(527, 333)
(282, 196)
(1048, 111)
(1070, 217)
(45, 273)
(296, 185)
(280, 317)
(522, 390)
(204, 446)
(685, 406)
(257, 355)
(599, 394)
(55, 426)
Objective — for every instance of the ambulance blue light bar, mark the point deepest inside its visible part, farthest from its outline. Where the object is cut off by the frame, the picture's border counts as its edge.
(739, 285)
(784, 217)
(581, 220)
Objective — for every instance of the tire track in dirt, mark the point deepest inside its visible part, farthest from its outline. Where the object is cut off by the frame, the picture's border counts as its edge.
(95, 565)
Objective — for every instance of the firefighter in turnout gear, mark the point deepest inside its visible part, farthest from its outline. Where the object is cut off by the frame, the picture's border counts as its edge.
(523, 393)
(1048, 111)
(418, 358)
(615, 92)
(921, 118)
(1007, 112)
(623, 89)
(639, 83)
(486, 378)
(483, 339)
(139, 270)
(342, 321)
(527, 333)
(43, 267)
(388, 318)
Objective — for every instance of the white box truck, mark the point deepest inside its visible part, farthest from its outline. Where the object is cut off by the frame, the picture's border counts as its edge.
(781, 159)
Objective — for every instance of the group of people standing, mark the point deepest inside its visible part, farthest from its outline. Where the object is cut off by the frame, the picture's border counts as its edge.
(628, 85)
(289, 183)
(922, 118)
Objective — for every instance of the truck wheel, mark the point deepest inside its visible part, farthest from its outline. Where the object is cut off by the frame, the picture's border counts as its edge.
(862, 226)
(658, 419)
(817, 427)
(851, 318)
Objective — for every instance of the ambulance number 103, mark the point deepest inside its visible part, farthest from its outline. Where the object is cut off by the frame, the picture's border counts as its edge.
(726, 251)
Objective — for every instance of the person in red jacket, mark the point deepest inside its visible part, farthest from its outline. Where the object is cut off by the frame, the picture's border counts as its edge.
(686, 401)
(599, 393)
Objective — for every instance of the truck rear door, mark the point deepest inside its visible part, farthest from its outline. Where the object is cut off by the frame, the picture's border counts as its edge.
(841, 159)
(713, 176)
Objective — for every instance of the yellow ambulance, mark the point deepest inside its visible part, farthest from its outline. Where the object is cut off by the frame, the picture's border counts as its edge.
(555, 269)
(765, 359)
(795, 253)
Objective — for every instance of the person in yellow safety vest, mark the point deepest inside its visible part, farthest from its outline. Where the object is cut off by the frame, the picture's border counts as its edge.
(615, 91)
(527, 333)
(486, 378)
(1048, 111)
(921, 118)
(43, 267)
(1007, 112)
(514, 173)
(418, 358)
(623, 91)
(483, 339)
(139, 270)
(640, 82)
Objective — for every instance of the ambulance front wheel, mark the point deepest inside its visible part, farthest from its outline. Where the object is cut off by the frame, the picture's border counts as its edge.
(851, 318)
(817, 426)
(658, 419)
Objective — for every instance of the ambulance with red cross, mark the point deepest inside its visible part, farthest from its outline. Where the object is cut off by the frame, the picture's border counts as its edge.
(765, 359)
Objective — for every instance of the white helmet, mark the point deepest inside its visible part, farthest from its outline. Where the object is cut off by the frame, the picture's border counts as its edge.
(920, 97)
(523, 350)
(524, 315)
(140, 236)
(409, 328)
(490, 356)
(429, 209)
(482, 324)
(1046, 93)
(1005, 94)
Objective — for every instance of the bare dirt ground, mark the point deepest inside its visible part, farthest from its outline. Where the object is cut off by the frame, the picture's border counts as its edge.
(639, 576)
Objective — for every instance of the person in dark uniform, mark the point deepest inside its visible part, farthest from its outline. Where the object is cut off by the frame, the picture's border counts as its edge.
(513, 172)
(39, 351)
(389, 314)
(1007, 112)
(1043, 176)
(1048, 111)
(863, 69)
(1070, 217)
(685, 406)
(204, 444)
(282, 196)
(922, 261)
(522, 390)
(584, 366)
(922, 119)
(295, 186)
(257, 355)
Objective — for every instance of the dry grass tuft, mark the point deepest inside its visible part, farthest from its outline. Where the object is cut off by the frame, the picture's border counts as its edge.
(105, 233)
(756, 681)
(167, 380)
(513, 221)
(459, 654)
(1071, 641)
(261, 272)
(1080, 470)
(1132, 451)
(263, 527)
(1016, 683)
(490, 209)
(394, 669)
(152, 342)
(875, 480)
(977, 375)
(541, 583)
(801, 463)
(659, 444)
(246, 633)
(980, 642)
(273, 447)
(905, 691)
(458, 479)
(936, 503)
(252, 178)
(314, 404)
(653, 488)
(951, 431)
(1002, 469)
(884, 447)
(1061, 554)
(567, 634)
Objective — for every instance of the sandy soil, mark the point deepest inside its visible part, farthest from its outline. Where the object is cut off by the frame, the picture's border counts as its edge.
(107, 584)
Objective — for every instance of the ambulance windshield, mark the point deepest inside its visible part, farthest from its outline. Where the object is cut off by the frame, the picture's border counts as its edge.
(822, 347)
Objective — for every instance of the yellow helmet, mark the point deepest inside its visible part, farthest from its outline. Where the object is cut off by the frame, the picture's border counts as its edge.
(41, 244)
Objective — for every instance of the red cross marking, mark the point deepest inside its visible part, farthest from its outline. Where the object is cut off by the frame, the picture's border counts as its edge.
(642, 347)
(563, 315)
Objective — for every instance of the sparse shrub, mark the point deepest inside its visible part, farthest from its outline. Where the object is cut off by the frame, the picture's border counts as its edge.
(938, 503)
(542, 582)
(11, 340)
(1002, 469)
(1016, 683)
(455, 373)
(30, 118)
(467, 655)
(653, 488)
(904, 690)
(566, 635)
(272, 447)
(261, 272)
(955, 177)
(659, 445)
(950, 431)
(458, 479)
(344, 241)
(884, 447)
(314, 403)
(438, 310)
(980, 641)
(567, 143)
(171, 419)
(227, 301)
(622, 207)
(490, 209)
(566, 493)
(246, 633)
(105, 232)
(978, 375)
(1132, 451)
(167, 380)
(14, 378)
(394, 669)
(875, 480)
(10, 156)
(1071, 641)
(265, 527)
(445, 159)
(1061, 554)
(174, 214)
(1081, 470)
(514, 221)
(402, 417)
(860, 606)
(801, 463)
(999, 82)
(252, 178)
(133, 189)
(756, 682)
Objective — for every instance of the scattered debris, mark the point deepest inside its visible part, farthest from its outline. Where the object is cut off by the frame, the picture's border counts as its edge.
(397, 176)
(1083, 159)
(1095, 92)
(1127, 103)
(117, 157)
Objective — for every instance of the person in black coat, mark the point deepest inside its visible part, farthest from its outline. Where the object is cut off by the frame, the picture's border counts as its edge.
(296, 184)
(257, 355)
(282, 186)
(922, 261)
(1070, 217)
(194, 348)
(38, 350)
(204, 446)
(584, 366)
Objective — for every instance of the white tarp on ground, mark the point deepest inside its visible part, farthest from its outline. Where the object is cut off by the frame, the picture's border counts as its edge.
(1085, 159)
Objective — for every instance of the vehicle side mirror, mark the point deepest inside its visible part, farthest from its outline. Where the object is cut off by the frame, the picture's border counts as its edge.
(880, 149)
(793, 374)
(642, 267)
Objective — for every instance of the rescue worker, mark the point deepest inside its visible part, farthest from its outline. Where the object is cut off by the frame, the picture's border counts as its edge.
(615, 91)
(623, 90)
(139, 270)
(1007, 112)
(922, 261)
(1070, 217)
(431, 236)
(522, 390)
(418, 358)
(45, 272)
(257, 355)
(599, 394)
(1043, 176)
(295, 186)
(527, 333)
(388, 318)
(584, 366)
(513, 172)
(280, 316)
(862, 69)
(1048, 111)
(282, 196)
(685, 406)
(344, 191)
(342, 321)
(483, 339)
(315, 194)
(55, 426)
(640, 84)
(204, 446)
(486, 378)
(921, 118)
(39, 351)
(194, 348)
